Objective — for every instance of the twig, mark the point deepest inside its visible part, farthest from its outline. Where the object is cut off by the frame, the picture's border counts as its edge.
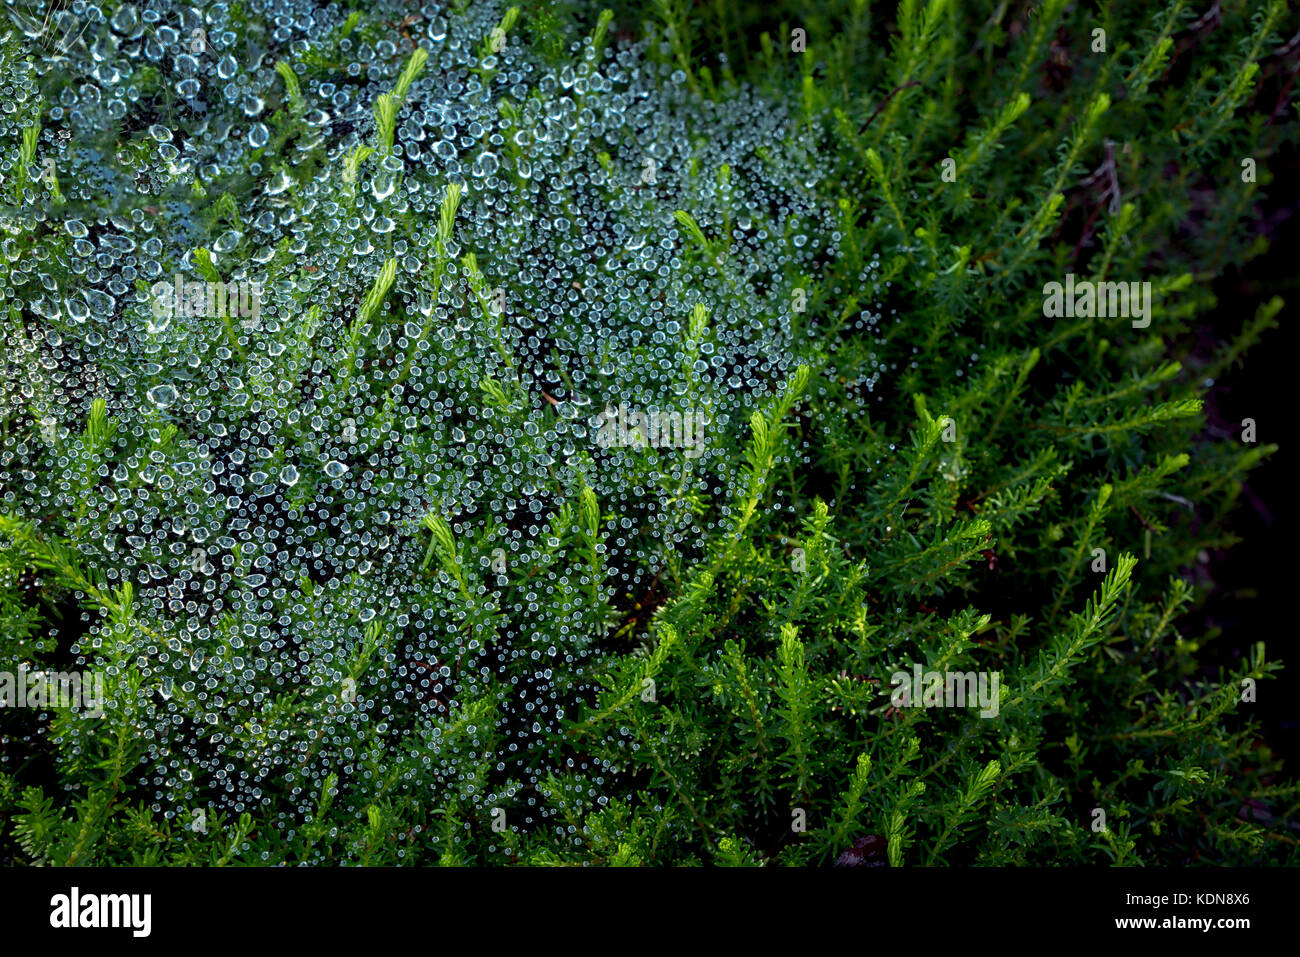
(886, 100)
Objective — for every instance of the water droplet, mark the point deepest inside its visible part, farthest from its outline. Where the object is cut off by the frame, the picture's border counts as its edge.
(162, 395)
(485, 165)
(78, 311)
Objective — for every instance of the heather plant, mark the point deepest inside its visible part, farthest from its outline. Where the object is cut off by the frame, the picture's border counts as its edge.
(469, 434)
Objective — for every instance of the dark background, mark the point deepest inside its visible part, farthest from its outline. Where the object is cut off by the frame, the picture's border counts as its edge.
(1254, 581)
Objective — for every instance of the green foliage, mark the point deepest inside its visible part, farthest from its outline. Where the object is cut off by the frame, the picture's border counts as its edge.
(946, 478)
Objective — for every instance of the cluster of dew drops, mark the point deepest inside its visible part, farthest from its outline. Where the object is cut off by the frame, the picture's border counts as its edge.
(264, 488)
